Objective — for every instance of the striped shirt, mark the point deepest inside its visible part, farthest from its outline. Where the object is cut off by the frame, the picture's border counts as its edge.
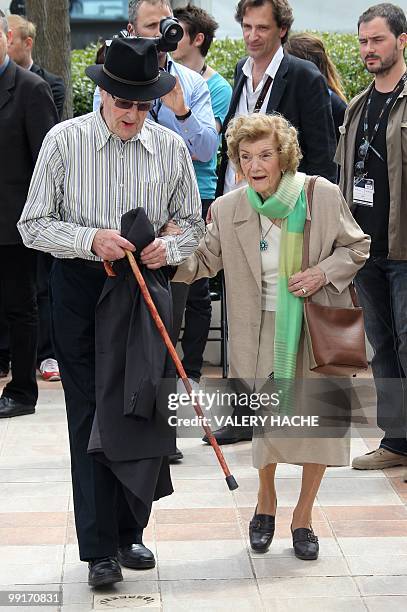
(86, 178)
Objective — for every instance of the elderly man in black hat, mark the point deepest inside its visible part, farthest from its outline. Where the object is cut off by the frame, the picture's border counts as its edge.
(91, 171)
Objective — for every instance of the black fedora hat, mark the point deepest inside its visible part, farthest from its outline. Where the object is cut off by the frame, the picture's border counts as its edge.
(131, 71)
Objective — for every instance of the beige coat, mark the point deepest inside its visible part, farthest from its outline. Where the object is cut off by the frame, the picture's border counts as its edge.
(231, 243)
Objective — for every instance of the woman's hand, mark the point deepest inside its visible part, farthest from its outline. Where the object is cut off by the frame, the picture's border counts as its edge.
(154, 255)
(304, 284)
(171, 229)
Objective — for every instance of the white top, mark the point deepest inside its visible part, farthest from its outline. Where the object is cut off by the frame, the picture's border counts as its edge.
(247, 102)
(269, 264)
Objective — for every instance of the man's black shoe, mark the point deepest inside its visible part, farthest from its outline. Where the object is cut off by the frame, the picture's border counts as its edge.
(136, 556)
(177, 456)
(11, 408)
(104, 571)
(231, 435)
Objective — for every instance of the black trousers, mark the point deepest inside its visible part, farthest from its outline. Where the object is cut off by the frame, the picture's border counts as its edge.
(382, 289)
(19, 309)
(45, 348)
(102, 516)
(195, 300)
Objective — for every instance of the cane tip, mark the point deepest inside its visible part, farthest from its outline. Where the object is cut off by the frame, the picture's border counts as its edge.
(231, 482)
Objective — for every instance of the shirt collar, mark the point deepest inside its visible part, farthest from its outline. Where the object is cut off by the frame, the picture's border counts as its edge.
(4, 65)
(271, 69)
(103, 134)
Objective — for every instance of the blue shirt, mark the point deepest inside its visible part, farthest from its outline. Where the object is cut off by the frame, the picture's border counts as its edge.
(4, 65)
(221, 93)
(199, 130)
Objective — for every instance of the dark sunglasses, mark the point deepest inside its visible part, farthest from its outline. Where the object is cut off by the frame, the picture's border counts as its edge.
(128, 104)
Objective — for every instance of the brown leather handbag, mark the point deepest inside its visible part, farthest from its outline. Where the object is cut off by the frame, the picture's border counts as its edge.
(335, 336)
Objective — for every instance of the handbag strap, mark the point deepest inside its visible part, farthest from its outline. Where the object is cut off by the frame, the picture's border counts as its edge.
(307, 231)
(307, 225)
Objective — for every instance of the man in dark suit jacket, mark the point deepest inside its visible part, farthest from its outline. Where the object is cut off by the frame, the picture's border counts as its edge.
(20, 50)
(27, 112)
(296, 89)
(23, 33)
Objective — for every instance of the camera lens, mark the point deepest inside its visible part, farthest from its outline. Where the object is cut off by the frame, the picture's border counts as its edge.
(171, 30)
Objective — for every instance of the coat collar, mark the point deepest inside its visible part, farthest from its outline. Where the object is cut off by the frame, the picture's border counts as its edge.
(279, 84)
(7, 82)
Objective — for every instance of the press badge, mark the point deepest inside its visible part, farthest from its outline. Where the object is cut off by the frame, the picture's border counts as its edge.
(363, 191)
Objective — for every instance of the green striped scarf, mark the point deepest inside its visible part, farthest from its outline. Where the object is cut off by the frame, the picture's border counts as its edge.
(287, 203)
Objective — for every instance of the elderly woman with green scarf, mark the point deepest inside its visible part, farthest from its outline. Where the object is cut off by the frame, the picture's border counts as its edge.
(256, 237)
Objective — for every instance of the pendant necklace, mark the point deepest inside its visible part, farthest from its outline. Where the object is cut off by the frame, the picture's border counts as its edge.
(264, 245)
(203, 70)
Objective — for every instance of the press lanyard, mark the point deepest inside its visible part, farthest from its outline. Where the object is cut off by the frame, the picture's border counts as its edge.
(367, 142)
(262, 95)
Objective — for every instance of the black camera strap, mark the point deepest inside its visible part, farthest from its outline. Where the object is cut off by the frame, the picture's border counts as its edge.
(154, 112)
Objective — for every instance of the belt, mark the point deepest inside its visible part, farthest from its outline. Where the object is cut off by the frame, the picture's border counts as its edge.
(77, 262)
(98, 265)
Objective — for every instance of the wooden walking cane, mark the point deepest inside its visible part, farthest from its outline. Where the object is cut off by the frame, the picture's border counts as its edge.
(230, 479)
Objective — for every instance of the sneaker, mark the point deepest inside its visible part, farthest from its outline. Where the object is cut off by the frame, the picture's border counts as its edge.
(378, 460)
(49, 370)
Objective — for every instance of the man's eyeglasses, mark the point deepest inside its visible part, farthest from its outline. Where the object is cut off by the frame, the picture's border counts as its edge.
(128, 104)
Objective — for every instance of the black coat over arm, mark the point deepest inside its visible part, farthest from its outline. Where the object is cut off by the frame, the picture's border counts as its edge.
(133, 375)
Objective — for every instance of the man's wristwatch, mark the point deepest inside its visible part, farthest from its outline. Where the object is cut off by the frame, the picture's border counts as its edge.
(183, 117)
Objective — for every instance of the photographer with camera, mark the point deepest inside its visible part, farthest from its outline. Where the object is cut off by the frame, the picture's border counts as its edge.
(187, 109)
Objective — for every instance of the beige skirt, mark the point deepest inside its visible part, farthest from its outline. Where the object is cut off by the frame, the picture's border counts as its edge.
(268, 448)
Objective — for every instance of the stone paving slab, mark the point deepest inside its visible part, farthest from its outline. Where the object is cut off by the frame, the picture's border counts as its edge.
(200, 534)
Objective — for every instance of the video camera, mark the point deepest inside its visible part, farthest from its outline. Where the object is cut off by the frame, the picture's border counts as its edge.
(171, 33)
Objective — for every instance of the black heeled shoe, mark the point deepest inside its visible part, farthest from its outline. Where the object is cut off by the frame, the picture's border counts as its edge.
(305, 544)
(261, 531)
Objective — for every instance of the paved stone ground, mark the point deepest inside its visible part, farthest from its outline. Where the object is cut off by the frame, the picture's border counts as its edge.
(199, 534)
